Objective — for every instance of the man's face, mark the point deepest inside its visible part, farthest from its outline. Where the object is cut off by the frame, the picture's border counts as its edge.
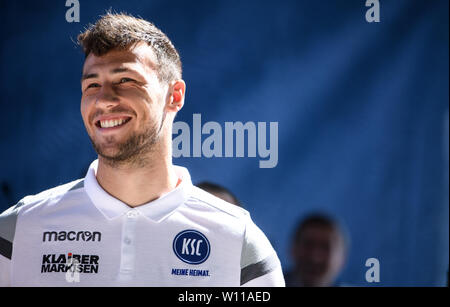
(319, 255)
(123, 103)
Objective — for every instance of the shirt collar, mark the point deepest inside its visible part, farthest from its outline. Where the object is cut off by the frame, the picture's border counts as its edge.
(155, 210)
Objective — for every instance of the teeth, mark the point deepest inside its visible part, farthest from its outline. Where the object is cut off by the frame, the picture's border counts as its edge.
(111, 123)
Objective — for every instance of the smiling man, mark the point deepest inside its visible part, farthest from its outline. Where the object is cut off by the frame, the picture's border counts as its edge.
(135, 219)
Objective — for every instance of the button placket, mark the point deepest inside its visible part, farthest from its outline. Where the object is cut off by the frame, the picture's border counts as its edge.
(128, 248)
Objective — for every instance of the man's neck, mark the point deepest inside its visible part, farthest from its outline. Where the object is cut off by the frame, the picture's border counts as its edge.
(137, 185)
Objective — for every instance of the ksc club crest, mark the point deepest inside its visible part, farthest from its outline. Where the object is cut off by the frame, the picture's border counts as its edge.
(191, 247)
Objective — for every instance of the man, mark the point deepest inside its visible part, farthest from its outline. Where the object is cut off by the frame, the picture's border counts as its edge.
(318, 250)
(135, 219)
(219, 191)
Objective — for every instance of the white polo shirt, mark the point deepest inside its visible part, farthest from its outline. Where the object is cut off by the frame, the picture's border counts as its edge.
(79, 235)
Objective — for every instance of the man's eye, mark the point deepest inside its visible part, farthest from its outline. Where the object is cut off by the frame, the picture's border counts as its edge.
(93, 85)
(123, 80)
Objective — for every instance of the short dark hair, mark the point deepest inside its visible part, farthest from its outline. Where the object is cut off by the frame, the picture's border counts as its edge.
(121, 31)
(323, 220)
(215, 188)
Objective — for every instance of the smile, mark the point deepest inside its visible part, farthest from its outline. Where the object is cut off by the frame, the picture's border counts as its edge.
(111, 123)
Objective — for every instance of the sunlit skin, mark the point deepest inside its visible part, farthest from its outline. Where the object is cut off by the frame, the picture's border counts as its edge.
(135, 158)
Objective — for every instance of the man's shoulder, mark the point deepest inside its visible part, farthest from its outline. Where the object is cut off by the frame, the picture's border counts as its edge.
(202, 200)
(42, 198)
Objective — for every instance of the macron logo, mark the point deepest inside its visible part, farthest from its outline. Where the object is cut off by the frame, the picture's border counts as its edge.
(72, 236)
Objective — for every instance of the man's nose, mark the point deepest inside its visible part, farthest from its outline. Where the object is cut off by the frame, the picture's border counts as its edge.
(106, 97)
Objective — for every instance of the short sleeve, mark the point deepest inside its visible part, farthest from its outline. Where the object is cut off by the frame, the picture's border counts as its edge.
(8, 221)
(260, 266)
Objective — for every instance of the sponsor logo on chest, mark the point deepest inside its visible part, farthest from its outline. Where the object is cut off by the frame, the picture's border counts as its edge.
(85, 236)
(55, 263)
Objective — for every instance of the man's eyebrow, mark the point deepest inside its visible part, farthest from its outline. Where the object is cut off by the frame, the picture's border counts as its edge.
(113, 71)
(120, 69)
(124, 69)
(88, 76)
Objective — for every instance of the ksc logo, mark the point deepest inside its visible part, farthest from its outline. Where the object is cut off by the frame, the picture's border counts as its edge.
(191, 247)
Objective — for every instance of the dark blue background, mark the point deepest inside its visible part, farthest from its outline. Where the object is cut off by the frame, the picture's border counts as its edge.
(362, 111)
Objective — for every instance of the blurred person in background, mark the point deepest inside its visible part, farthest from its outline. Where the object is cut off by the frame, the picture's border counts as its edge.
(318, 250)
(220, 192)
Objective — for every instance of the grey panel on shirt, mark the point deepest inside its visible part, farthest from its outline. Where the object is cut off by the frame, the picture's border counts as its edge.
(255, 247)
(79, 185)
(258, 269)
(8, 218)
(8, 221)
(257, 256)
(5, 248)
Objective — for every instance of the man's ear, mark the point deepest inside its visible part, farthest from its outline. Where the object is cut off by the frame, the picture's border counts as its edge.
(177, 90)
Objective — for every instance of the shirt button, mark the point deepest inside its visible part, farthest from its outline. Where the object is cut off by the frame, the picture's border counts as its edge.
(127, 241)
(132, 213)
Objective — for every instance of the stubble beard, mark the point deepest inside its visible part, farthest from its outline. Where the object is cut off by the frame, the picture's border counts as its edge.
(135, 151)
